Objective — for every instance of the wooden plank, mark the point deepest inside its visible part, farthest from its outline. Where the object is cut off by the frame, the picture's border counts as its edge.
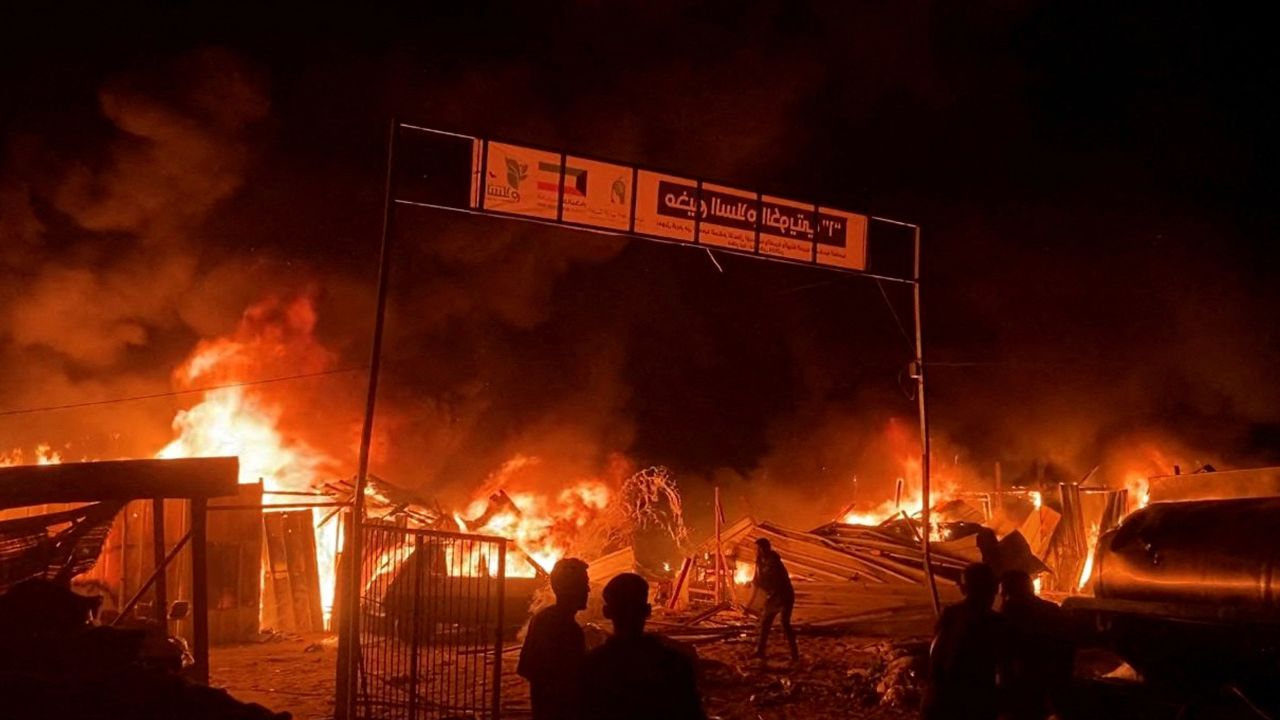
(300, 551)
(680, 588)
(306, 526)
(278, 573)
(117, 480)
(235, 570)
(294, 566)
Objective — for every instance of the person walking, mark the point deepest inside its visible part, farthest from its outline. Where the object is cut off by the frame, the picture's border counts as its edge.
(779, 597)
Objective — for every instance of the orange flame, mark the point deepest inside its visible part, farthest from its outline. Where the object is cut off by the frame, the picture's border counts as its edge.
(242, 421)
(1087, 571)
(1139, 488)
(941, 490)
(43, 455)
(544, 527)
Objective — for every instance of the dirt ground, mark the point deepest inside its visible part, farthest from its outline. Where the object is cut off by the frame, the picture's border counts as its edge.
(294, 673)
(297, 674)
(835, 678)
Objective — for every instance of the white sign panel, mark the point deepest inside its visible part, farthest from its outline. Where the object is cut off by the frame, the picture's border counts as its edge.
(547, 185)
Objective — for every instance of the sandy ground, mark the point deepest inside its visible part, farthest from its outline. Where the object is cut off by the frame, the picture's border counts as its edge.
(834, 678)
(284, 673)
(297, 674)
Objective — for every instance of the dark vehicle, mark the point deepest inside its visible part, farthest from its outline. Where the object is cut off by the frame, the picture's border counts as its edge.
(1188, 594)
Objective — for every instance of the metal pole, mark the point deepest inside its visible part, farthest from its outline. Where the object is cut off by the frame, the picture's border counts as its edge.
(925, 545)
(349, 622)
(419, 560)
(497, 641)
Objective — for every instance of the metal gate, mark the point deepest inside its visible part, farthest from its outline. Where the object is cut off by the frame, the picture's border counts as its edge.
(430, 625)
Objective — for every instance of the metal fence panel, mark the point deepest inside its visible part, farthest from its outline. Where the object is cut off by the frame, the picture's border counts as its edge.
(430, 625)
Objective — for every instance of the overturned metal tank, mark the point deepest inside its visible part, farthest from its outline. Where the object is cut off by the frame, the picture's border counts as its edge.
(1221, 552)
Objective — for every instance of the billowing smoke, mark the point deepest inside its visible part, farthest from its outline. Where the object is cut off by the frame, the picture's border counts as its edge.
(102, 250)
(183, 202)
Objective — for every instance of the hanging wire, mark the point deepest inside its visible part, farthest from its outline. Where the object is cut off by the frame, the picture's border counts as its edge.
(897, 321)
(176, 393)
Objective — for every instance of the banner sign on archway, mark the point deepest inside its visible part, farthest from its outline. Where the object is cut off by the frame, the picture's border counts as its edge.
(429, 168)
(558, 187)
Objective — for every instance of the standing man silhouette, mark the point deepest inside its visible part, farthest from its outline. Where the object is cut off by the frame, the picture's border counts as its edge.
(1035, 672)
(637, 675)
(554, 647)
(966, 648)
(779, 596)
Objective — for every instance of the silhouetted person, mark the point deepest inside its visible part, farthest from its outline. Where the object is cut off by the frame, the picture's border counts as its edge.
(554, 648)
(779, 597)
(637, 675)
(965, 652)
(1035, 670)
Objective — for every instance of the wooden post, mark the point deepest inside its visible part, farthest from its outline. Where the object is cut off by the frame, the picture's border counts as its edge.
(200, 589)
(161, 610)
(997, 507)
(719, 551)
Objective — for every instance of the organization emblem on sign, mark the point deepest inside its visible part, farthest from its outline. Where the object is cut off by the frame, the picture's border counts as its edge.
(596, 193)
(586, 192)
(575, 179)
(517, 172)
(514, 181)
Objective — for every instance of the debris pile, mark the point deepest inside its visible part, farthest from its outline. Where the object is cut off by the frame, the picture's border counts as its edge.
(899, 673)
(838, 676)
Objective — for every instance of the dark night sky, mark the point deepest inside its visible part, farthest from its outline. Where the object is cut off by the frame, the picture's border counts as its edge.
(1096, 188)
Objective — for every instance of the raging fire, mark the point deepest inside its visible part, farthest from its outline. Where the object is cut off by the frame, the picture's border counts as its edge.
(274, 336)
(911, 503)
(542, 527)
